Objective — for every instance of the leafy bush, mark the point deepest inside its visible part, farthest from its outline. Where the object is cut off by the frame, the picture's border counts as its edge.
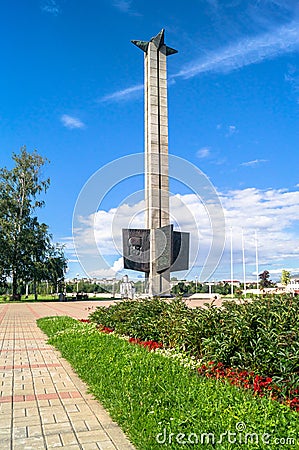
(146, 319)
(262, 336)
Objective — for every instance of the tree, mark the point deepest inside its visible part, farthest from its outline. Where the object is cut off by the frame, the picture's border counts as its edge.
(3, 259)
(179, 289)
(265, 281)
(55, 266)
(285, 277)
(36, 247)
(222, 288)
(26, 243)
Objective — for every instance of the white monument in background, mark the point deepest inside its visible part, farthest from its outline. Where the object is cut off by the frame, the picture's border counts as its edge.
(127, 288)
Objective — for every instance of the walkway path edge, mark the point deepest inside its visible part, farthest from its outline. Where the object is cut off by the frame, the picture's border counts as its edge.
(43, 403)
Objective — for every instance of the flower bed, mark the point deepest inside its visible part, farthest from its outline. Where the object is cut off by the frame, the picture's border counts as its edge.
(255, 345)
(260, 385)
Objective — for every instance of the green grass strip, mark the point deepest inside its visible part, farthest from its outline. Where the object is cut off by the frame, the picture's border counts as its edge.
(160, 404)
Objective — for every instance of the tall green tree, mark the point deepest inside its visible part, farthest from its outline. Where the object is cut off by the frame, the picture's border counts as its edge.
(265, 281)
(37, 246)
(285, 277)
(55, 266)
(25, 243)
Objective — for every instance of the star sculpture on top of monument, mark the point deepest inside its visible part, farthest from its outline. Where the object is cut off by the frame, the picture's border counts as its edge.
(159, 43)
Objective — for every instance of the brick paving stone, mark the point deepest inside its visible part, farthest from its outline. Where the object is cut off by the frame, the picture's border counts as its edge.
(43, 403)
(4, 433)
(95, 446)
(72, 408)
(27, 421)
(53, 441)
(34, 430)
(19, 432)
(33, 443)
(72, 447)
(91, 423)
(80, 425)
(68, 439)
(92, 436)
(107, 445)
(5, 421)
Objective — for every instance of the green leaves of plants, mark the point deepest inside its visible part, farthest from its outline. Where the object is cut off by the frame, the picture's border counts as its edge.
(262, 335)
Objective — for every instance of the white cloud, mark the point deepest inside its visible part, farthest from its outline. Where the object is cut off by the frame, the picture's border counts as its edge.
(231, 129)
(123, 94)
(292, 77)
(227, 130)
(203, 152)
(123, 5)
(254, 163)
(71, 122)
(278, 271)
(273, 213)
(246, 51)
(50, 6)
(115, 269)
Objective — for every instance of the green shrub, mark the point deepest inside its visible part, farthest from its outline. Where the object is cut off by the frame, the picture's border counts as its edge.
(262, 336)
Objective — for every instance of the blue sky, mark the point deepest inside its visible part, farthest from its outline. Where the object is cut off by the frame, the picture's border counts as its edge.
(71, 87)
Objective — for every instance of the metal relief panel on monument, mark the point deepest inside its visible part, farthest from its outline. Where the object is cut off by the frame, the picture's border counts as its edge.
(180, 254)
(136, 249)
(163, 247)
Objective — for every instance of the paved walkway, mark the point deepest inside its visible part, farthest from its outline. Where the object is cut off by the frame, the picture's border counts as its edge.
(43, 404)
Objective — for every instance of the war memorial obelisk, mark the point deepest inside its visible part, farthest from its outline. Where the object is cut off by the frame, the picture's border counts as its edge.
(158, 249)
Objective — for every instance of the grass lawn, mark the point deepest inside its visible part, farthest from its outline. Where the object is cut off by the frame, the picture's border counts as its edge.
(46, 298)
(30, 298)
(161, 404)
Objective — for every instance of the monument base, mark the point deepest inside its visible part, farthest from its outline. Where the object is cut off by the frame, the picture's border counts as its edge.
(158, 285)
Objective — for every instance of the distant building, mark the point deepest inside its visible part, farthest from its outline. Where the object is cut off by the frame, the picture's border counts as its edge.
(293, 285)
(107, 281)
(103, 281)
(233, 282)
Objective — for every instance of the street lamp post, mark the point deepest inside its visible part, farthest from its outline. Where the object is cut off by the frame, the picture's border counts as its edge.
(244, 264)
(256, 261)
(196, 277)
(231, 264)
(77, 282)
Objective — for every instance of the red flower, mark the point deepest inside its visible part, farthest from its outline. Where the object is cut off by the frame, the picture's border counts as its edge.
(150, 345)
(104, 329)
